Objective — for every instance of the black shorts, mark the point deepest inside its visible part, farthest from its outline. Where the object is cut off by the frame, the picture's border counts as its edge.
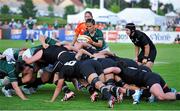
(90, 66)
(154, 78)
(151, 57)
(2, 74)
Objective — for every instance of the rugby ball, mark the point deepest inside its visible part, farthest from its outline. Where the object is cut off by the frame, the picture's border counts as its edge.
(83, 38)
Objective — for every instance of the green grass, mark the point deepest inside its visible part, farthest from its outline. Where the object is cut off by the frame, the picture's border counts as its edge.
(167, 65)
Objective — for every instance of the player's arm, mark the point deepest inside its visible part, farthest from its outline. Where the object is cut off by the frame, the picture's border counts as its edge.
(146, 53)
(147, 50)
(97, 44)
(18, 90)
(42, 41)
(136, 52)
(75, 39)
(81, 52)
(34, 58)
(108, 53)
(70, 47)
(77, 31)
(110, 70)
(58, 89)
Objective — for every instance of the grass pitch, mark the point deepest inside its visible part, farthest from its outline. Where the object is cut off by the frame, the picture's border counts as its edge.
(167, 65)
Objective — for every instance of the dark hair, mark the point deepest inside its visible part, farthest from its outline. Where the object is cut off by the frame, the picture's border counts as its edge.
(19, 66)
(88, 12)
(131, 26)
(90, 21)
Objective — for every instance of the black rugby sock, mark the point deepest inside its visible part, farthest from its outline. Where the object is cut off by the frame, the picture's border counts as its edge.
(90, 89)
(146, 93)
(129, 92)
(9, 86)
(120, 83)
(105, 93)
(177, 96)
(65, 88)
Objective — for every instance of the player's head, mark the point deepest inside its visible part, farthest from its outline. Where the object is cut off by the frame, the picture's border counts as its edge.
(90, 25)
(88, 15)
(21, 66)
(130, 28)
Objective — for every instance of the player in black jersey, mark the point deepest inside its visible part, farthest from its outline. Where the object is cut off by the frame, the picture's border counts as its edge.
(89, 70)
(152, 81)
(130, 63)
(143, 42)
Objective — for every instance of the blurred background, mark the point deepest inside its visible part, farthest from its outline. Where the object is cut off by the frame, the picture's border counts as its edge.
(160, 19)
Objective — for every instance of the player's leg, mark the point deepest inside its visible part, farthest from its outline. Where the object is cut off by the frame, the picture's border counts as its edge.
(93, 79)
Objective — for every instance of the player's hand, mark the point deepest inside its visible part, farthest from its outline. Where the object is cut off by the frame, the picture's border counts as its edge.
(90, 41)
(25, 99)
(45, 46)
(136, 59)
(144, 61)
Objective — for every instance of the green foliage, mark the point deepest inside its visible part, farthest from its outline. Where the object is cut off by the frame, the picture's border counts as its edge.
(69, 10)
(5, 9)
(144, 4)
(115, 8)
(168, 8)
(5, 17)
(51, 10)
(50, 20)
(160, 12)
(28, 9)
(163, 9)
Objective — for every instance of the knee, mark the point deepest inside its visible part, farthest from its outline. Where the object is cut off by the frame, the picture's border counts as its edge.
(44, 79)
(161, 97)
(27, 79)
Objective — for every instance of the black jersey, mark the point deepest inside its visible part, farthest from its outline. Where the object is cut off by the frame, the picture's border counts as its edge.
(106, 62)
(70, 70)
(140, 78)
(127, 61)
(130, 63)
(140, 39)
(90, 66)
(66, 56)
(50, 54)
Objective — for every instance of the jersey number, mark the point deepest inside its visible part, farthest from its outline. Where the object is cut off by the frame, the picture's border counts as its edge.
(70, 63)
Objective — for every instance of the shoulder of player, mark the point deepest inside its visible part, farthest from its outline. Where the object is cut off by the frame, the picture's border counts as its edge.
(81, 24)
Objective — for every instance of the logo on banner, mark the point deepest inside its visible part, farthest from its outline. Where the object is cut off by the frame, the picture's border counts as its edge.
(112, 36)
(16, 34)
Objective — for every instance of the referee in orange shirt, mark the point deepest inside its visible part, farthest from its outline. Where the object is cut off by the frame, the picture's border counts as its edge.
(81, 27)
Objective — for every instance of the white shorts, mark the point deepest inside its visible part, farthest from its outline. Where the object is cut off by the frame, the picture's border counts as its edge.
(9, 53)
(27, 53)
(106, 49)
(30, 31)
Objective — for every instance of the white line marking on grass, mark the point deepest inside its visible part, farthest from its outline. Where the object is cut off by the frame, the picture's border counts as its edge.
(159, 62)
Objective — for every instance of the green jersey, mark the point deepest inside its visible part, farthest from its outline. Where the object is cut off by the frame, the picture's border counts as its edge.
(56, 25)
(50, 41)
(16, 52)
(30, 24)
(9, 70)
(97, 36)
(11, 54)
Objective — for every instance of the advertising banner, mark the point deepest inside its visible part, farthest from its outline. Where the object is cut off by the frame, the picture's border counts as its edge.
(109, 36)
(0, 34)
